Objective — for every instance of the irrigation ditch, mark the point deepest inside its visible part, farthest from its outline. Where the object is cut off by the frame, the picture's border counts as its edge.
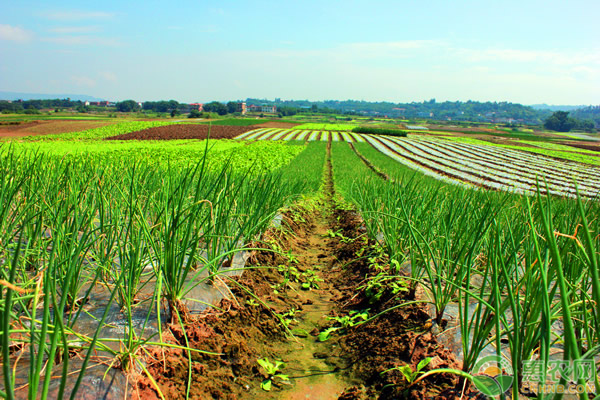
(317, 302)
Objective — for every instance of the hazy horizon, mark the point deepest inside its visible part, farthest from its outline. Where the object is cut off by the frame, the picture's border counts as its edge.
(522, 52)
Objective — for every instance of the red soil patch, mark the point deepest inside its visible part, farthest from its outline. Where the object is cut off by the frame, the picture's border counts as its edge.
(585, 146)
(35, 128)
(185, 131)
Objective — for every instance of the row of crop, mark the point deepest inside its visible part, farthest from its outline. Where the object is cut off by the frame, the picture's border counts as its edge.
(263, 156)
(487, 167)
(101, 132)
(496, 170)
(297, 134)
(521, 271)
(526, 164)
(92, 255)
(380, 131)
(347, 168)
(526, 156)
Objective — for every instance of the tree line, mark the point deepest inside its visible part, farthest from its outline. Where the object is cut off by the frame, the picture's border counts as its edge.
(560, 121)
(35, 105)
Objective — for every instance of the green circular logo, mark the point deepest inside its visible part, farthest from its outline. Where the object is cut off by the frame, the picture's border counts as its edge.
(493, 375)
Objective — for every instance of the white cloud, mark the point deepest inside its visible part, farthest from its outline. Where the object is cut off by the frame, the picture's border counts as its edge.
(72, 15)
(548, 57)
(396, 45)
(74, 29)
(83, 40)
(108, 76)
(14, 33)
(83, 81)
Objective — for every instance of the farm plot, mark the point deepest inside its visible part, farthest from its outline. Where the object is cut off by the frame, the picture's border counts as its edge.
(489, 167)
(113, 250)
(103, 131)
(184, 131)
(463, 163)
(124, 259)
(300, 134)
(35, 128)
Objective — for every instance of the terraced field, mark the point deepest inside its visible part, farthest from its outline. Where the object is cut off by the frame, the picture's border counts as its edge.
(486, 166)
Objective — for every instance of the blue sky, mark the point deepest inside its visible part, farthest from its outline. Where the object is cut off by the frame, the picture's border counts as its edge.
(520, 51)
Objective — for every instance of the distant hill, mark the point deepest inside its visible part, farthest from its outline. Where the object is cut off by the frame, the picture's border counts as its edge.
(555, 108)
(40, 96)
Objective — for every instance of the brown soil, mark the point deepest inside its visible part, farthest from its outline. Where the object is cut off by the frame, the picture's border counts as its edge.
(328, 242)
(35, 128)
(586, 146)
(396, 338)
(185, 131)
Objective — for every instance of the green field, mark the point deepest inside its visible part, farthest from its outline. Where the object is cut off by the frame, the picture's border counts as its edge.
(325, 127)
(109, 248)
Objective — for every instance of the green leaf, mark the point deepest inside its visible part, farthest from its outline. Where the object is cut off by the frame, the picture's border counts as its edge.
(266, 385)
(263, 362)
(269, 368)
(278, 364)
(505, 382)
(487, 385)
(300, 332)
(407, 371)
(423, 363)
(323, 336)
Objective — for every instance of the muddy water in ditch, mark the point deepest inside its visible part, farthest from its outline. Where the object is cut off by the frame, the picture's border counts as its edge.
(314, 373)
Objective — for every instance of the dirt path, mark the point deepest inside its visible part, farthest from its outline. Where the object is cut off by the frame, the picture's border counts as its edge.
(314, 371)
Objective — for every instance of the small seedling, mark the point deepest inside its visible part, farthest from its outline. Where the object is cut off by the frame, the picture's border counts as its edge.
(272, 371)
(292, 259)
(288, 317)
(251, 302)
(352, 319)
(408, 372)
(377, 285)
(290, 273)
(323, 336)
(333, 234)
(339, 234)
(345, 322)
(311, 280)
